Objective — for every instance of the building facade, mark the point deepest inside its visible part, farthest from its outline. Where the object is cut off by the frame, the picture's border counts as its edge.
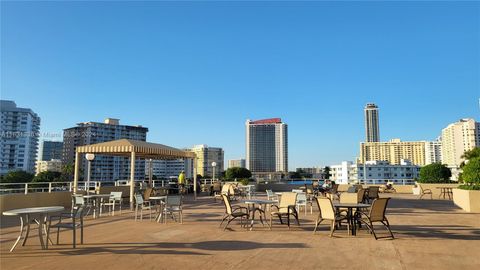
(393, 151)
(316, 172)
(240, 163)
(457, 138)
(169, 168)
(52, 165)
(107, 168)
(51, 150)
(433, 152)
(267, 147)
(375, 172)
(372, 130)
(205, 157)
(19, 138)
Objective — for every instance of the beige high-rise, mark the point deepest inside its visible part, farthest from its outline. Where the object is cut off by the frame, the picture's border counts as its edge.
(205, 156)
(393, 151)
(457, 138)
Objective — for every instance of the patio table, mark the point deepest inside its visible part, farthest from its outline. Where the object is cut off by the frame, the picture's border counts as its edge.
(350, 216)
(253, 209)
(446, 191)
(97, 198)
(159, 206)
(248, 190)
(29, 215)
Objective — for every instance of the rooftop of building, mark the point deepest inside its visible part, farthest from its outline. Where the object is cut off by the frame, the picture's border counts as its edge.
(429, 234)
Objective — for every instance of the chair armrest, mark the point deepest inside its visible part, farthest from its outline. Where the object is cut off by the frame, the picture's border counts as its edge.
(427, 189)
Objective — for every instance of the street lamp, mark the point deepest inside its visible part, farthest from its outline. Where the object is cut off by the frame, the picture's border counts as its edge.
(214, 164)
(89, 157)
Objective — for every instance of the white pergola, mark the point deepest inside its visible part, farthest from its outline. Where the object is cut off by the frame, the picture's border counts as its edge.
(133, 149)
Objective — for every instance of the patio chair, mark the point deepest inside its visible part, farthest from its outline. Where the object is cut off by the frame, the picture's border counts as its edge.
(216, 188)
(226, 189)
(141, 205)
(271, 196)
(372, 193)
(232, 212)
(333, 192)
(377, 214)
(147, 193)
(286, 207)
(173, 204)
(424, 192)
(76, 221)
(302, 200)
(327, 212)
(115, 198)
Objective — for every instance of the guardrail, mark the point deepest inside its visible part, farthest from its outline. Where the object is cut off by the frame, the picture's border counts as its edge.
(31, 187)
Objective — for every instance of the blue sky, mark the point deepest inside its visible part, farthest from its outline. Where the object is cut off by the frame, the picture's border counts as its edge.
(193, 72)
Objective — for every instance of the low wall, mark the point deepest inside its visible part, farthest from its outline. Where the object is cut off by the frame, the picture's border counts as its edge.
(14, 201)
(124, 189)
(435, 190)
(277, 187)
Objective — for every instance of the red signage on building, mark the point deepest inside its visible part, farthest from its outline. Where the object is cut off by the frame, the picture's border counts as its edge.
(268, 121)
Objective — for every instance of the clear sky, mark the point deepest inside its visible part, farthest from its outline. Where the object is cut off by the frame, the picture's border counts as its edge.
(193, 72)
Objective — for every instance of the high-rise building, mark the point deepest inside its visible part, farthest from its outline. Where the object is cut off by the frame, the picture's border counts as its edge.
(267, 147)
(51, 150)
(433, 152)
(104, 167)
(169, 168)
(236, 163)
(457, 138)
(372, 131)
(52, 165)
(205, 157)
(19, 138)
(393, 151)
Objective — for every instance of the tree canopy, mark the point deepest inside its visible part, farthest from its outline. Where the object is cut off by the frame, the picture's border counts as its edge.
(16, 177)
(48, 176)
(435, 173)
(237, 172)
(471, 171)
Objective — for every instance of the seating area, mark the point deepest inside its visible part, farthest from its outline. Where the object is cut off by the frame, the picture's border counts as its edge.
(417, 227)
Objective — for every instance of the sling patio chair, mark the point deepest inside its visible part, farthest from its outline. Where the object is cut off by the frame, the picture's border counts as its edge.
(286, 207)
(372, 193)
(226, 189)
(425, 191)
(115, 199)
(141, 205)
(75, 221)
(327, 212)
(377, 214)
(173, 204)
(233, 212)
(271, 196)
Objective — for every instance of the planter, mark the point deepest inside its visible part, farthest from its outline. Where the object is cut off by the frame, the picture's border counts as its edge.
(468, 200)
(416, 190)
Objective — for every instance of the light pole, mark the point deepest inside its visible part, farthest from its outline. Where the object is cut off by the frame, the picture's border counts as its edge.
(89, 157)
(214, 164)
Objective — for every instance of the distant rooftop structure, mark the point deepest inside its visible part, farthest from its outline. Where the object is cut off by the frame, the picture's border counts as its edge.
(266, 121)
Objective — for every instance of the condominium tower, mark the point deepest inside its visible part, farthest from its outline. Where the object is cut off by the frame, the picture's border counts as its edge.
(393, 151)
(236, 163)
(51, 150)
(267, 147)
(205, 157)
(457, 138)
(19, 138)
(108, 168)
(372, 131)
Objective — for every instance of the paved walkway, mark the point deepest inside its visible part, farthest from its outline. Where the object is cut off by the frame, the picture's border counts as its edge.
(430, 234)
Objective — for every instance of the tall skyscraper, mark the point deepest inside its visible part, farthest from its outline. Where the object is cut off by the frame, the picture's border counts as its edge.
(205, 156)
(51, 150)
(457, 138)
(372, 131)
(267, 147)
(19, 138)
(104, 167)
(433, 152)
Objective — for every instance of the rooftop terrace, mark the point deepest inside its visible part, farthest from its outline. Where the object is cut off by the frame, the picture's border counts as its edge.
(431, 234)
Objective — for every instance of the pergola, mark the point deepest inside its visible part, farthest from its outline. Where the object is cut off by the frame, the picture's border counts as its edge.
(133, 149)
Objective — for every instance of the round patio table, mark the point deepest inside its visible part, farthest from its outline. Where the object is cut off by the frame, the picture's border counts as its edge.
(29, 215)
(97, 198)
(253, 209)
(350, 216)
(159, 205)
(446, 191)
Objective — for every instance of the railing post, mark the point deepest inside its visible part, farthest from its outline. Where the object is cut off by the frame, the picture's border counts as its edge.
(70, 186)
(50, 187)
(26, 188)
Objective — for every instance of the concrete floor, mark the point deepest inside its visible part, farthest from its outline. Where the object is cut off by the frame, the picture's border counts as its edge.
(430, 234)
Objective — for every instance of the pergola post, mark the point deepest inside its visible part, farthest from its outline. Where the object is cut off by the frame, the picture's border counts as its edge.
(132, 178)
(195, 178)
(76, 172)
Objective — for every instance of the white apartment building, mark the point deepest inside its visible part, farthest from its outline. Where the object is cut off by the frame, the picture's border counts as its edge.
(433, 152)
(19, 138)
(53, 165)
(169, 168)
(374, 172)
(240, 163)
(457, 138)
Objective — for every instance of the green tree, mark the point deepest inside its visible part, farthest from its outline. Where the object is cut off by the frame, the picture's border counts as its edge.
(17, 177)
(471, 171)
(326, 171)
(48, 176)
(474, 153)
(237, 172)
(434, 173)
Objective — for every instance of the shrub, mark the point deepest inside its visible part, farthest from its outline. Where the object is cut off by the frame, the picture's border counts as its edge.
(237, 172)
(245, 181)
(17, 177)
(435, 173)
(471, 174)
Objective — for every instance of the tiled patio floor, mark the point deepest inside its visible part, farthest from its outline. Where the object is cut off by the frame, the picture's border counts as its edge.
(430, 234)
